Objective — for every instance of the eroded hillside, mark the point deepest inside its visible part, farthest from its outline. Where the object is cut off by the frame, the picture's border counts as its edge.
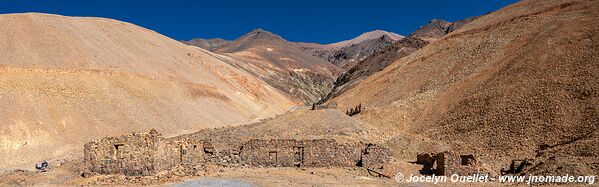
(517, 83)
(67, 80)
(283, 65)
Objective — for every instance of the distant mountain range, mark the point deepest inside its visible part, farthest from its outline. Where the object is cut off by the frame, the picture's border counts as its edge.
(306, 71)
(282, 64)
(363, 37)
(348, 53)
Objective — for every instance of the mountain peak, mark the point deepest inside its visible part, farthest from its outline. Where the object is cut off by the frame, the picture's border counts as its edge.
(208, 44)
(259, 33)
(437, 28)
(377, 34)
(437, 21)
(256, 37)
(366, 36)
(377, 31)
(259, 30)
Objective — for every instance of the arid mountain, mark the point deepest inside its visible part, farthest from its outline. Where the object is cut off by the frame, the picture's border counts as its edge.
(438, 28)
(67, 80)
(283, 65)
(208, 44)
(518, 83)
(460, 23)
(348, 56)
(385, 57)
(370, 56)
(363, 37)
(336, 54)
(375, 63)
(433, 30)
(318, 50)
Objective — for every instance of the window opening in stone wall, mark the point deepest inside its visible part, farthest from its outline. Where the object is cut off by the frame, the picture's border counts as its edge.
(273, 156)
(118, 149)
(467, 159)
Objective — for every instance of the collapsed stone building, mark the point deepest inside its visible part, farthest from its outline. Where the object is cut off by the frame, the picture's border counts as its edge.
(448, 163)
(150, 153)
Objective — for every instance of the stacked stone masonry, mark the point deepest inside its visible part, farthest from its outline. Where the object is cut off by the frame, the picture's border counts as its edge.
(448, 163)
(150, 153)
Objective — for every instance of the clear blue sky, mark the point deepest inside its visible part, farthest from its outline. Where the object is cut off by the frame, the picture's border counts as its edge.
(306, 20)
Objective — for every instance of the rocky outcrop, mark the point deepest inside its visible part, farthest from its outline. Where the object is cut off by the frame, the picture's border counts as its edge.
(433, 30)
(346, 54)
(318, 50)
(374, 63)
(438, 28)
(347, 57)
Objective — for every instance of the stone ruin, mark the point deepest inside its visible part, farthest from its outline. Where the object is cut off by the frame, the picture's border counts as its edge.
(139, 154)
(448, 163)
(150, 153)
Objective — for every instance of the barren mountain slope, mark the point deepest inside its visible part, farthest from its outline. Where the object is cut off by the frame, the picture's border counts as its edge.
(297, 124)
(347, 57)
(375, 63)
(208, 44)
(433, 30)
(517, 83)
(318, 50)
(437, 28)
(283, 65)
(354, 49)
(67, 80)
(365, 36)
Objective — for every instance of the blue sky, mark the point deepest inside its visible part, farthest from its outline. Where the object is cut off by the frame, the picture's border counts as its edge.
(306, 20)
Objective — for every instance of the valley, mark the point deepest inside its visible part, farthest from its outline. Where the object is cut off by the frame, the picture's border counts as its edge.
(513, 92)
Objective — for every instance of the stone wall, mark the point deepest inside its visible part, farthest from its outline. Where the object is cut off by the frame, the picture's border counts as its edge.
(140, 154)
(133, 154)
(150, 153)
(375, 157)
(300, 153)
(448, 163)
